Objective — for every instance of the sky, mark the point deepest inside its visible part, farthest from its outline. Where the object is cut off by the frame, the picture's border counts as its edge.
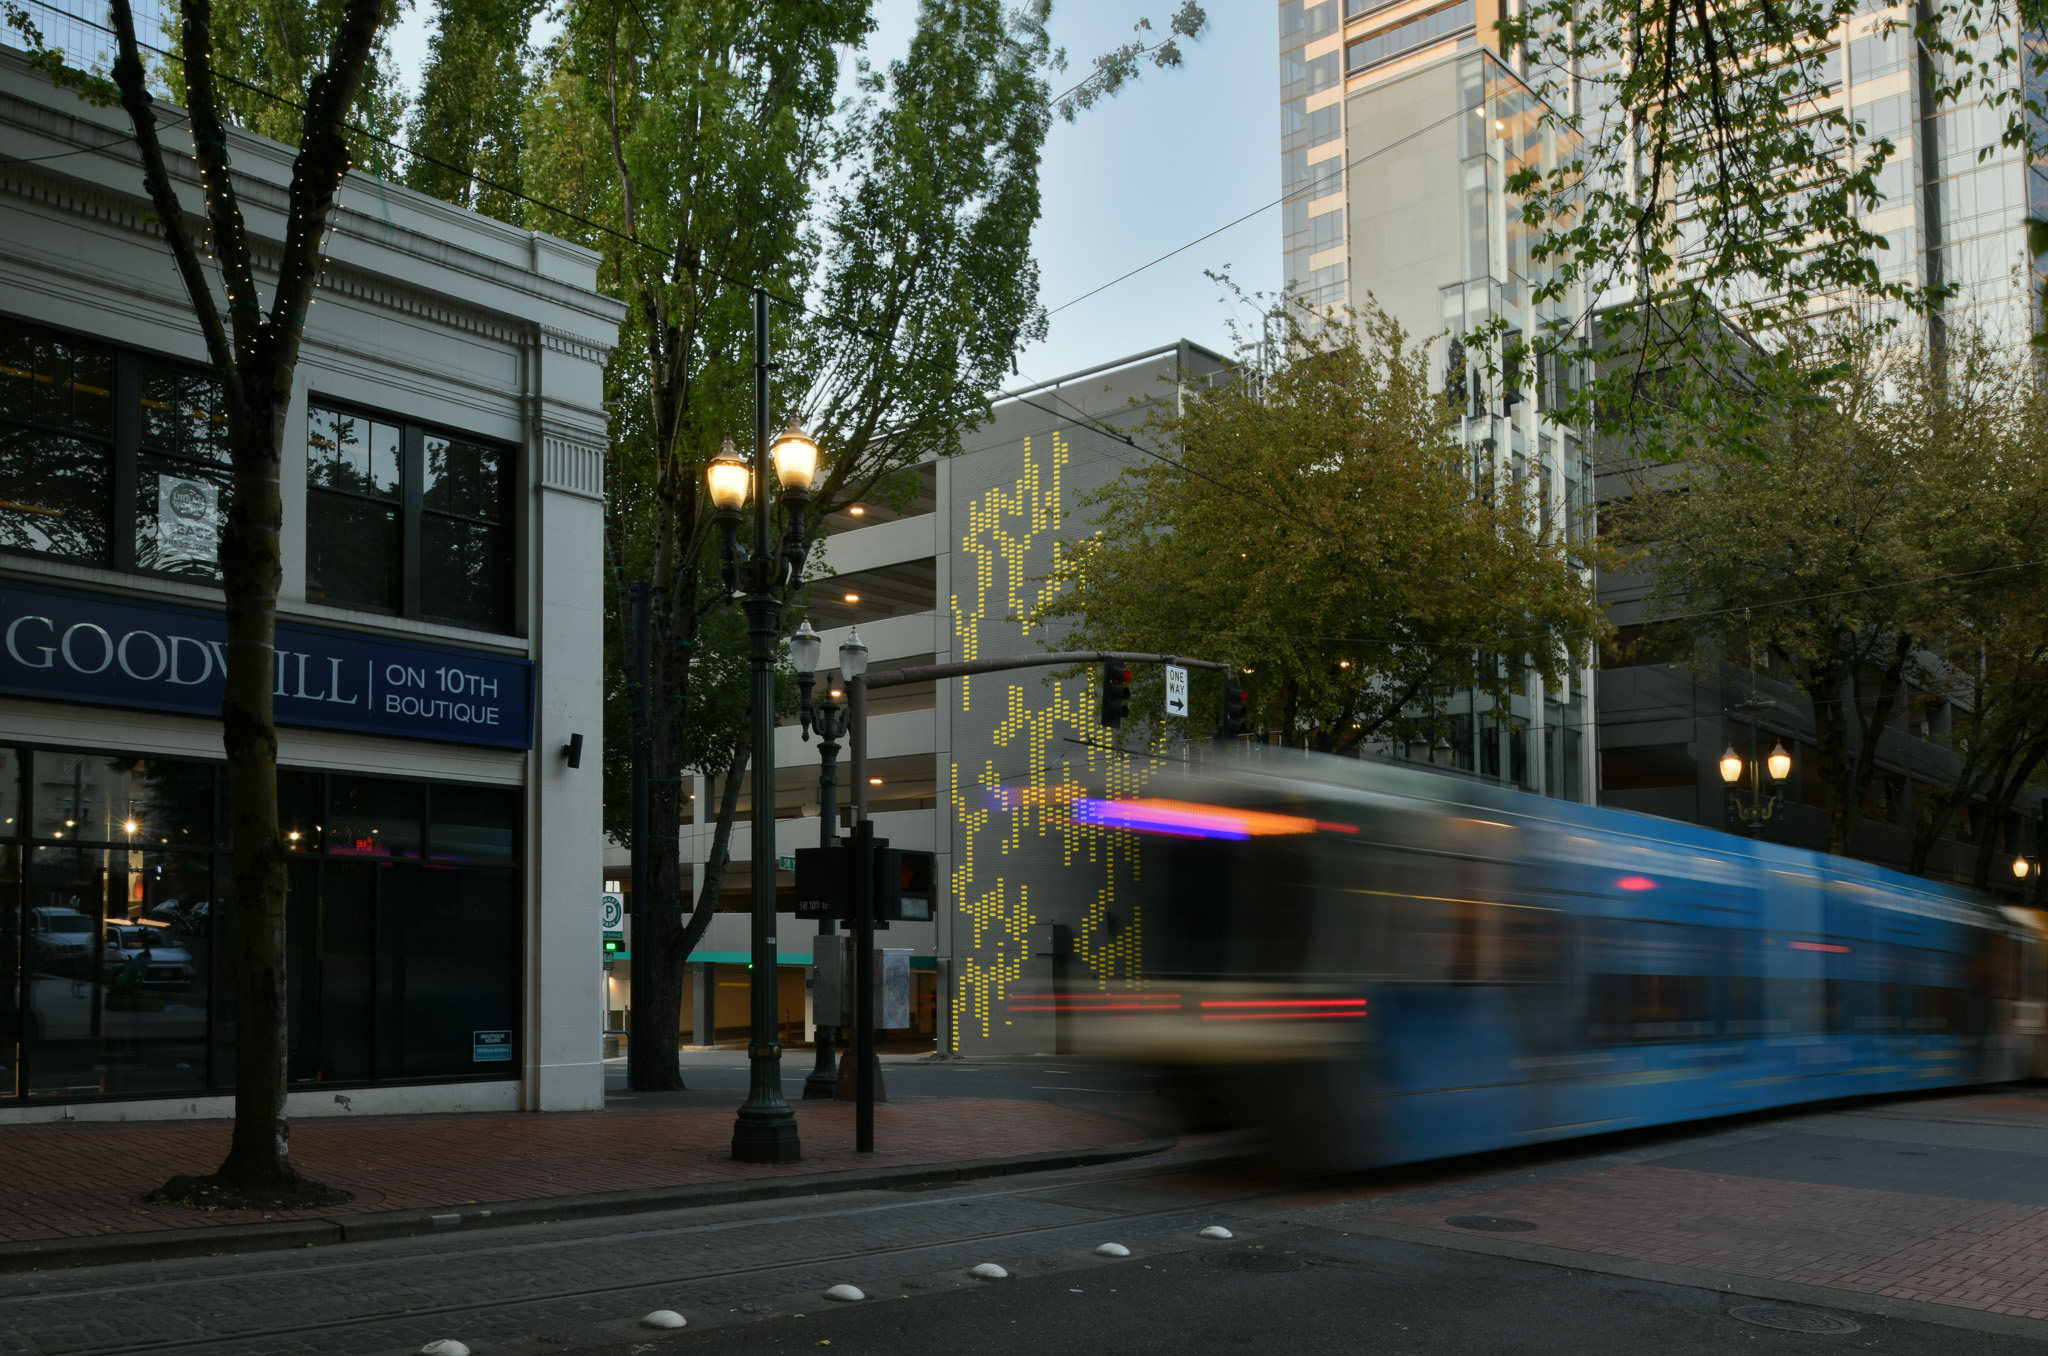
(1172, 157)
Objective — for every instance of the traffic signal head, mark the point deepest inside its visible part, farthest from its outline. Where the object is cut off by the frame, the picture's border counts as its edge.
(1236, 704)
(904, 886)
(1116, 693)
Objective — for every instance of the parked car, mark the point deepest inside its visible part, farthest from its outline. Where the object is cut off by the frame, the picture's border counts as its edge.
(188, 916)
(59, 939)
(148, 957)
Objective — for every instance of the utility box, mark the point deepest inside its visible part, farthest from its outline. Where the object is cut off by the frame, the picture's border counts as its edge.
(831, 995)
(892, 988)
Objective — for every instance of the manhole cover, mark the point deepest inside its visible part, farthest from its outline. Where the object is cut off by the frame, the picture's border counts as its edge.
(1492, 1224)
(1240, 1260)
(1792, 1320)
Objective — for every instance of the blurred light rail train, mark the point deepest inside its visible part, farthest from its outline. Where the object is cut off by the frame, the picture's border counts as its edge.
(1381, 965)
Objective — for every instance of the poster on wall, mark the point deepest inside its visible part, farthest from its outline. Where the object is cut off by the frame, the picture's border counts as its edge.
(187, 522)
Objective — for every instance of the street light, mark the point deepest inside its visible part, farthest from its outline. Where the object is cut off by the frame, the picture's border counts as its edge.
(764, 1130)
(2022, 868)
(1759, 810)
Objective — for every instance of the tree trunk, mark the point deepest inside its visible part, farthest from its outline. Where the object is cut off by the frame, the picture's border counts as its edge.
(658, 975)
(251, 569)
(255, 358)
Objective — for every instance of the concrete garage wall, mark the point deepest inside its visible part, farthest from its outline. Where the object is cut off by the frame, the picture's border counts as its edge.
(1013, 863)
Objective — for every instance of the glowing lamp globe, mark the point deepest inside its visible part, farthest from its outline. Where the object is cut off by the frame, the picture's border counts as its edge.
(796, 459)
(728, 480)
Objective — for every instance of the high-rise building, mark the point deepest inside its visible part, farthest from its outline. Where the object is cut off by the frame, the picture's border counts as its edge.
(1400, 125)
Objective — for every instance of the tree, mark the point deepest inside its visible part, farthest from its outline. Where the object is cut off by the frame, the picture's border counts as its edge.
(1717, 188)
(699, 137)
(1988, 668)
(1842, 535)
(254, 354)
(1317, 526)
(465, 139)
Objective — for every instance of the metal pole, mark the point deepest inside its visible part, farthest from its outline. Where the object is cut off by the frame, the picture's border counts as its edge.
(823, 1081)
(643, 853)
(765, 1130)
(1756, 786)
(864, 924)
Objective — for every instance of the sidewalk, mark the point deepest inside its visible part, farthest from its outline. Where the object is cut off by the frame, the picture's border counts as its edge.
(69, 1193)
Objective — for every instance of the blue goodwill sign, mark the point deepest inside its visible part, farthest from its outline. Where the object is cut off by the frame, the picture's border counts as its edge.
(70, 646)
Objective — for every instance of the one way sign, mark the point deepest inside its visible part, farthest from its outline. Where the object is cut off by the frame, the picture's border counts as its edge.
(1176, 690)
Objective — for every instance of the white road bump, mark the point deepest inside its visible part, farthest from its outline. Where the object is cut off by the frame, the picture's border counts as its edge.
(664, 1318)
(1112, 1250)
(444, 1346)
(988, 1271)
(1216, 1231)
(844, 1292)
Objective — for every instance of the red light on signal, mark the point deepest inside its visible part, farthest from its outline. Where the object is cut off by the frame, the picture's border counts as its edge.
(1636, 883)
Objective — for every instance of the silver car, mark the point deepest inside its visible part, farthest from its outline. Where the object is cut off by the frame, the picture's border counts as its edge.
(60, 940)
(149, 956)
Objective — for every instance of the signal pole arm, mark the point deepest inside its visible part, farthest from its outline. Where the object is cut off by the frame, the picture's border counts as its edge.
(923, 673)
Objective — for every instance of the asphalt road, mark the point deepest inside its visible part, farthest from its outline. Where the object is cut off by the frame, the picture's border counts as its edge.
(1309, 1268)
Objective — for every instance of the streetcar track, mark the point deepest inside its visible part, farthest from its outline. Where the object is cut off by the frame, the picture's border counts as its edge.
(584, 1240)
(761, 1269)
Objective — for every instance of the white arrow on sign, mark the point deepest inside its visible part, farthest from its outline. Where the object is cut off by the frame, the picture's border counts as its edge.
(1176, 690)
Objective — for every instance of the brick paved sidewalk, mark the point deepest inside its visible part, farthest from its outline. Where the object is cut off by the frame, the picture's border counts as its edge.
(83, 1180)
(1945, 1224)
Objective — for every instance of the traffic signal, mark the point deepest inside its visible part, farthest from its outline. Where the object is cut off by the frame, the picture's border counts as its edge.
(903, 886)
(1116, 693)
(1235, 707)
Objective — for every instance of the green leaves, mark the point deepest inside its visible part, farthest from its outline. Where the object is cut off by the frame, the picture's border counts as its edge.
(465, 134)
(1122, 64)
(1316, 525)
(1716, 191)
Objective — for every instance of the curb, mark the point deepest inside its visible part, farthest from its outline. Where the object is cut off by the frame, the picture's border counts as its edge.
(164, 1244)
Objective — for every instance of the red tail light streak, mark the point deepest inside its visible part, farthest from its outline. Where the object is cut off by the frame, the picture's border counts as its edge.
(1280, 1009)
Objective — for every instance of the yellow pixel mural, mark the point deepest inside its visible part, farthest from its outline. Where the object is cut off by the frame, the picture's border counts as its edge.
(1020, 861)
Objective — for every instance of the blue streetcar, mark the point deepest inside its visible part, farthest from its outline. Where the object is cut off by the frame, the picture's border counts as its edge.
(1382, 965)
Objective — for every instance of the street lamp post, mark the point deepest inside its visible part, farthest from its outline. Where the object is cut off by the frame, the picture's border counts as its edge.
(765, 1129)
(1778, 765)
(828, 718)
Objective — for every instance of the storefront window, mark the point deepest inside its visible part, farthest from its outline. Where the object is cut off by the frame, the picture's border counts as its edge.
(404, 520)
(116, 928)
(81, 424)
(56, 447)
(181, 474)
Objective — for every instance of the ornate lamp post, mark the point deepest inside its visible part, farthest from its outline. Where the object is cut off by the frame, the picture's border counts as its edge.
(765, 1129)
(1758, 810)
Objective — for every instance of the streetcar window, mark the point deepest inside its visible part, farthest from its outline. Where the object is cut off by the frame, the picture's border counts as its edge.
(1644, 1009)
(1649, 981)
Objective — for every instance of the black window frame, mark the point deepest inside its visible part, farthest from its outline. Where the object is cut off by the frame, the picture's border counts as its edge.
(413, 512)
(127, 446)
